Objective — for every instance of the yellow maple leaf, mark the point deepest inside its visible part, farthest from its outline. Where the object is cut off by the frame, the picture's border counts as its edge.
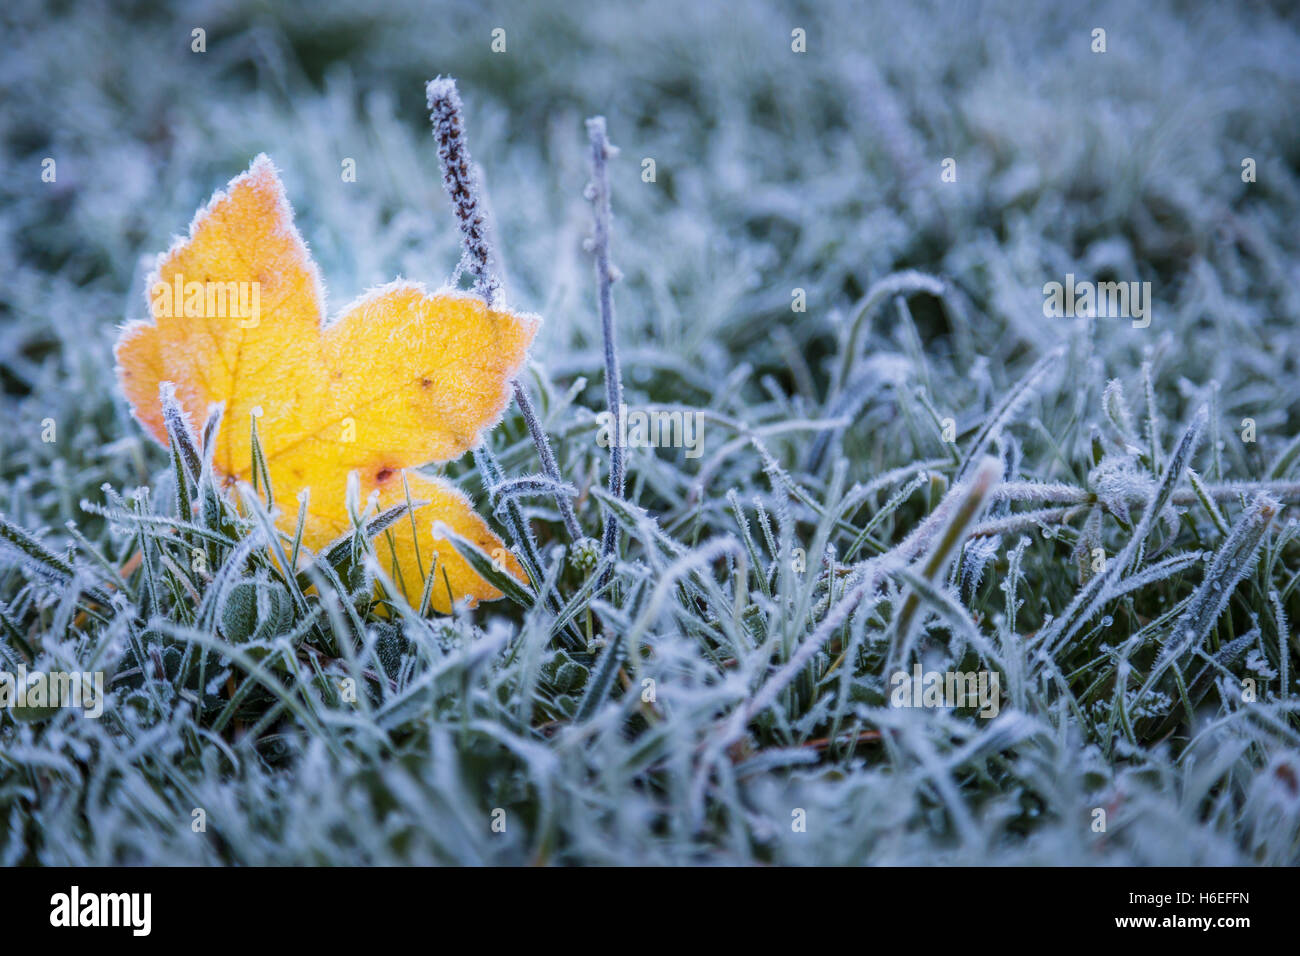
(402, 378)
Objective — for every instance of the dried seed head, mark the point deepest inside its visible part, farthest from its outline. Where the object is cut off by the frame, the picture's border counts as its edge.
(458, 180)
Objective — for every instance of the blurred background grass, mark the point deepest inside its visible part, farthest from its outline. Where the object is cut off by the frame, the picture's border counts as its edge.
(775, 170)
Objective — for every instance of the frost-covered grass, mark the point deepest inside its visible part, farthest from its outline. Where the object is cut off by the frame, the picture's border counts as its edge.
(823, 442)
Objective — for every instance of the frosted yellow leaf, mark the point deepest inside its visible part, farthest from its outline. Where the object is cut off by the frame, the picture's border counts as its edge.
(402, 378)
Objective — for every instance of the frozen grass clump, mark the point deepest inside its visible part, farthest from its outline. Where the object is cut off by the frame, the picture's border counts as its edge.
(1097, 532)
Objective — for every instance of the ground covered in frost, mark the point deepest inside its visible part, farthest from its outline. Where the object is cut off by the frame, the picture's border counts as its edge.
(1127, 565)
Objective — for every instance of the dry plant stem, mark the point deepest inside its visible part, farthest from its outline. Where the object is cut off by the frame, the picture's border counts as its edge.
(598, 192)
(600, 154)
(549, 466)
(458, 180)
